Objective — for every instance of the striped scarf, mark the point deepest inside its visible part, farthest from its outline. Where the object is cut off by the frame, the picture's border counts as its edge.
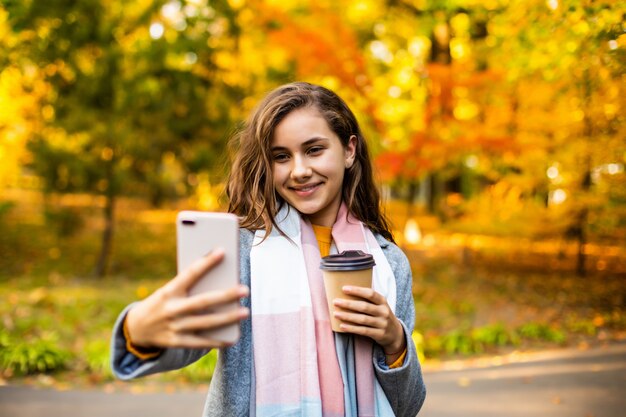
(302, 368)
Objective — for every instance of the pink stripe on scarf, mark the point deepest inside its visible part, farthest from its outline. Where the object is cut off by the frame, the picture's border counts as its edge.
(329, 371)
(348, 235)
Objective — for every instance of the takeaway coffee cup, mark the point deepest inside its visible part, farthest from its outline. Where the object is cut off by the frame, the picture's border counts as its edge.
(351, 267)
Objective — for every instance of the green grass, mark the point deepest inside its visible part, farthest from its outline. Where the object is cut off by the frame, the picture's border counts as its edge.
(64, 326)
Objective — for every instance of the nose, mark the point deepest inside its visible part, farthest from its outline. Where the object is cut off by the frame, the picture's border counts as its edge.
(300, 169)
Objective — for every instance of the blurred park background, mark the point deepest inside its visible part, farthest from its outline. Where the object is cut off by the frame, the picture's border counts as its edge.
(497, 129)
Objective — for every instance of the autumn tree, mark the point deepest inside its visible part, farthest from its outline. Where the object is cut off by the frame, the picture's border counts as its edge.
(565, 63)
(518, 102)
(133, 95)
(431, 116)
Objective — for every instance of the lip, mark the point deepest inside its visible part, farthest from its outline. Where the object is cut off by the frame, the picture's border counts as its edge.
(306, 189)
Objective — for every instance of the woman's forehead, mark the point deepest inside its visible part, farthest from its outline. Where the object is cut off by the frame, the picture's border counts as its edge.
(302, 125)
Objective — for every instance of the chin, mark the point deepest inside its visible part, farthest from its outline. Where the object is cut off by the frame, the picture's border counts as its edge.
(305, 209)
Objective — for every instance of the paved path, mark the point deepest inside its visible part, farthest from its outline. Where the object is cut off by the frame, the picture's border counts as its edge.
(558, 384)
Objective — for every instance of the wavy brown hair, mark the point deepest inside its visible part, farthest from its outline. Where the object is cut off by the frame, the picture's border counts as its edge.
(250, 187)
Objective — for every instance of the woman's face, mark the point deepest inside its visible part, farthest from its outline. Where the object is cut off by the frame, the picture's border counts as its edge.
(308, 162)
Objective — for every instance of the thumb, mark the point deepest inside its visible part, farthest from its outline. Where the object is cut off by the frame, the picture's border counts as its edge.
(189, 276)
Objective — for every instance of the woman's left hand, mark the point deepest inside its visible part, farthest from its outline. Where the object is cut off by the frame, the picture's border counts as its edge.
(372, 317)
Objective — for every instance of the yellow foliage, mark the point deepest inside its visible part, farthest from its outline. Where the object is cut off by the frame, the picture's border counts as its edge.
(461, 24)
(362, 11)
(142, 292)
(4, 27)
(18, 119)
(236, 4)
(207, 196)
(465, 110)
(419, 47)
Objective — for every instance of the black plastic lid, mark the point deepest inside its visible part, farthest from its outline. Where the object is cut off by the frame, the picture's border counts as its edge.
(349, 260)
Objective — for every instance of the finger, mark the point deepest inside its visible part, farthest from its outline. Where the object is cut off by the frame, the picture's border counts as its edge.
(361, 330)
(189, 276)
(360, 319)
(364, 307)
(209, 299)
(209, 321)
(364, 292)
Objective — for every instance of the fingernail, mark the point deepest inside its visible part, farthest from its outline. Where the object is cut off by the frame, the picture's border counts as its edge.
(243, 291)
(347, 288)
(244, 312)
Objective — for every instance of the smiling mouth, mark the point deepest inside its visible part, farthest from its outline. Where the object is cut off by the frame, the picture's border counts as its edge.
(305, 189)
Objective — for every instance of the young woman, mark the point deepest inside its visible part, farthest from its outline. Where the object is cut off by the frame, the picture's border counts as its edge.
(302, 185)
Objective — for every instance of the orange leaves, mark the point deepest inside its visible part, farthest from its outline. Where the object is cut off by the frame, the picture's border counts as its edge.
(422, 156)
(495, 145)
(319, 44)
(394, 165)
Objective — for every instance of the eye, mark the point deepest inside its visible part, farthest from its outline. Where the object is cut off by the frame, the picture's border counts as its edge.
(280, 157)
(315, 150)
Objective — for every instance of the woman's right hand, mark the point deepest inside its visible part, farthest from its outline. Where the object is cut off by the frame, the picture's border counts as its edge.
(169, 317)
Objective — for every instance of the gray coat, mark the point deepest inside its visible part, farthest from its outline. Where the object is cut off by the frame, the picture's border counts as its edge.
(231, 392)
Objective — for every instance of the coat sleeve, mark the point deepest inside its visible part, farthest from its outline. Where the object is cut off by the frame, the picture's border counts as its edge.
(403, 386)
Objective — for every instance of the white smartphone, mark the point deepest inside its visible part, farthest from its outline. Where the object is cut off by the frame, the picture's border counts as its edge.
(199, 232)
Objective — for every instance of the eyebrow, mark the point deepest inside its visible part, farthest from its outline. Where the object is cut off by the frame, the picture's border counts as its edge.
(304, 144)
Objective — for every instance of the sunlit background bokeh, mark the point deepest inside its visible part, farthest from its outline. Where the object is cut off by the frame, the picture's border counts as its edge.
(496, 127)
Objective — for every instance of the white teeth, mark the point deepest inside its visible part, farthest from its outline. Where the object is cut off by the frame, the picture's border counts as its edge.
(305, 188)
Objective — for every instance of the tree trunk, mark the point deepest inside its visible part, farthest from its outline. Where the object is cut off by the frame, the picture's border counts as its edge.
(583, 213)
(410, 198)
(107, 235)
(109, 219)
(581, 226)
(581, 268)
